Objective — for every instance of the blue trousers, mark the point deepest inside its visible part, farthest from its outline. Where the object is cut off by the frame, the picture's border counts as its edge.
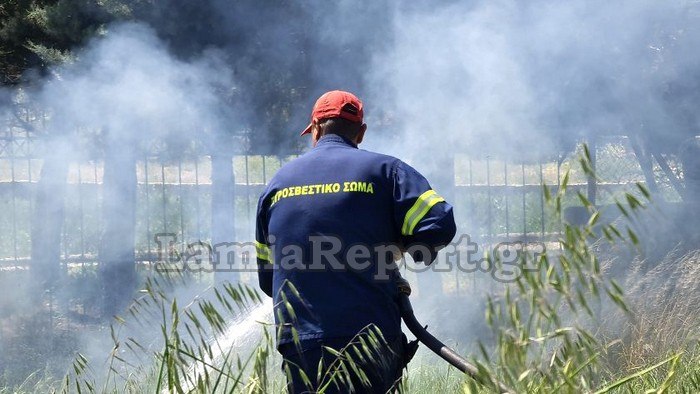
(382, 370)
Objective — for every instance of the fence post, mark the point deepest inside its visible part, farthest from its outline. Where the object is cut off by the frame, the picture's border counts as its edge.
(117, 244)
(222, 204)
(47, 220)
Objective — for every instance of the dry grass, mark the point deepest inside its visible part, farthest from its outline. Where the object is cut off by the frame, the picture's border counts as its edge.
(665, 311)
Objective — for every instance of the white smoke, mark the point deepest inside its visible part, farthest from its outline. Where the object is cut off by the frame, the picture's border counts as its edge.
(128, 86)
(507, 77)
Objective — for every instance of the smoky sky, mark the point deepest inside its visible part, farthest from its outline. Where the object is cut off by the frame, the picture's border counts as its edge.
(124, 91)
(473, 76)
(507, 77)
(501, 77)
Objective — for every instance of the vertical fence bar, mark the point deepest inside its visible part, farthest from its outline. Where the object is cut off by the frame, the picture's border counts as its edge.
(163, 195)
(471, 189)
(182, 207)
(454, 187)
(505, 181)
(490, 214)
(148, 207)
(247, 191)
(471, 204)
(82, 213)
(541, 198)
(559, 161)
(280, 159)
(522, 170)
(97, 197)
(29, 171)
(264, 170)
(64, 235)
(197, 205)
(488, 198)
(11, 151)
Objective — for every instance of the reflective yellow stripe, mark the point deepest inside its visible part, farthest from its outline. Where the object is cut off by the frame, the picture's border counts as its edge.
(263, 251)
(419, 209)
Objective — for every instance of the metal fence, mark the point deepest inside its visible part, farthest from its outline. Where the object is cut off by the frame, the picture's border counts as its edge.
(494, 199)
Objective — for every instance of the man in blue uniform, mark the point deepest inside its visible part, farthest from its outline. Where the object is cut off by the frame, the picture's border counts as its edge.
(328, 227)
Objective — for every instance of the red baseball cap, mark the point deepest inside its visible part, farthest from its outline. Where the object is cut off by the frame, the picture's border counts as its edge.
(336, 104)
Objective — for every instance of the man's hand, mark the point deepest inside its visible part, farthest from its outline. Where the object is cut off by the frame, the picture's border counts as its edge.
(403, 286)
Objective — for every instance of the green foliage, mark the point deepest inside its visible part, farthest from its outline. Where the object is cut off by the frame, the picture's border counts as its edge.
(544, 322)
(39, 33)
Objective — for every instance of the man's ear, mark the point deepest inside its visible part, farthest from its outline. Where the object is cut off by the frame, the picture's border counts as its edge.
(361, 134)
(315, 132)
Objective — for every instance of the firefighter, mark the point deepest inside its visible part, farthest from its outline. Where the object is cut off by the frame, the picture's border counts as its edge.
(329, 225)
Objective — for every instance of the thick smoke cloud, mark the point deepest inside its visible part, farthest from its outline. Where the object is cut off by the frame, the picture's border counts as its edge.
(123, 97)
(129, 90)
(510, 78)
(477, 76)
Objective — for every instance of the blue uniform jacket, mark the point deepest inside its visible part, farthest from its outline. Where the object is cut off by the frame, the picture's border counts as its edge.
(327, 224)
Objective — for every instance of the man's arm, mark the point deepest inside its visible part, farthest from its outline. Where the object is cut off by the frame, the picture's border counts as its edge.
(421, 214)
(262, 249)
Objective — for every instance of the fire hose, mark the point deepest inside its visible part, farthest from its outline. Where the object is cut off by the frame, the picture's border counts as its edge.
(439, 348)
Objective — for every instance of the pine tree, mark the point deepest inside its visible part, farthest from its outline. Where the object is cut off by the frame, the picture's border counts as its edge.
(35, 34)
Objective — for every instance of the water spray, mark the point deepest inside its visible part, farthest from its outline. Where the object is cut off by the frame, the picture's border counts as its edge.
(436, 346)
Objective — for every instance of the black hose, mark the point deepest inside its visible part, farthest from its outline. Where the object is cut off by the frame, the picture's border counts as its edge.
(439, 348)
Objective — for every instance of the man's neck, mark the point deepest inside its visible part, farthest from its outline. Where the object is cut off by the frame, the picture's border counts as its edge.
(335, 138)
